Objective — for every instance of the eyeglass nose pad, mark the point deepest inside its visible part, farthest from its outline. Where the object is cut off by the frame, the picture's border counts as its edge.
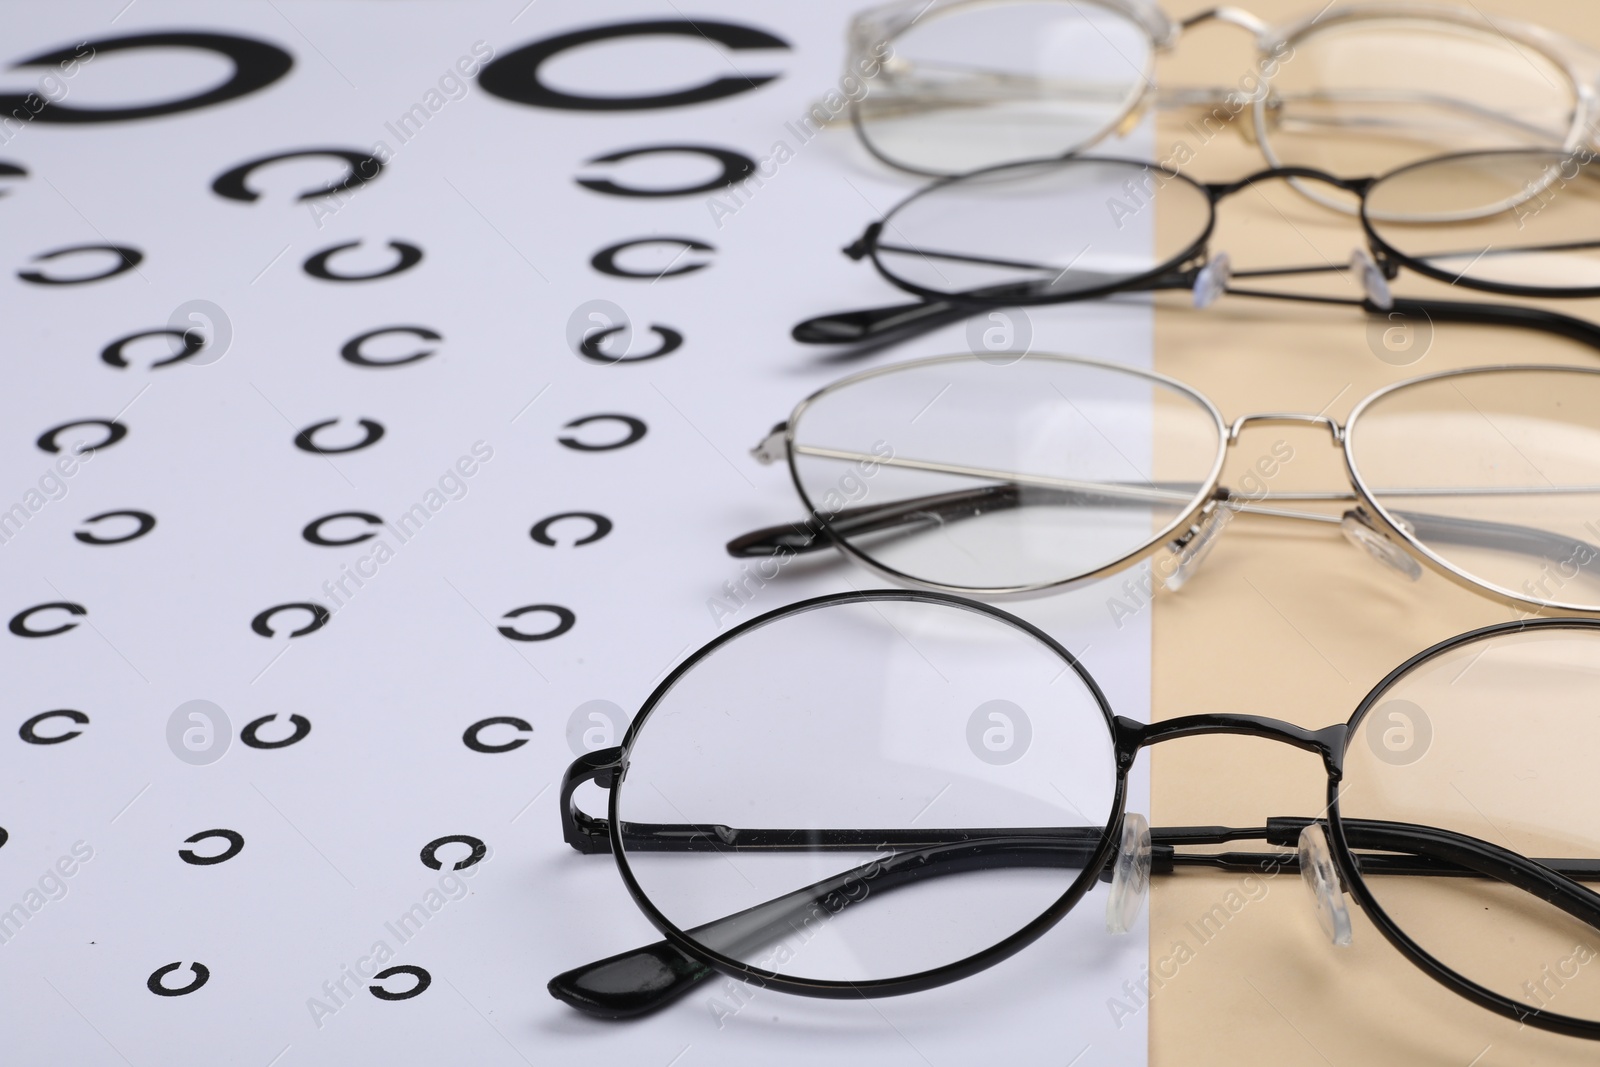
(1130, 874)
(1321, 877)
(1193, 547)
(1370, 275)
(1359, 531)
(1213, 279)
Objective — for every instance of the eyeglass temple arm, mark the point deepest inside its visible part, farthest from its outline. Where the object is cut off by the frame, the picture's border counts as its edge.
(900, 322)
(917, 513)
(643, 980)
(883, 326)
(905, 96)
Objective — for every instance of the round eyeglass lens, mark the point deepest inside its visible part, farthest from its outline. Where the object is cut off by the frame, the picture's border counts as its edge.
(1360, 95)
(870, 787)
(1528, 219)
(1495, 473)
(1004, 473)
(1482, 754)
(1043, 231)
(972, 85)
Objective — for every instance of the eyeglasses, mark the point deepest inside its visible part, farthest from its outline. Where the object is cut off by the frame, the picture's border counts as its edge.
(981, 768)
(961, 84)
(1520, 223)
(1000, 479)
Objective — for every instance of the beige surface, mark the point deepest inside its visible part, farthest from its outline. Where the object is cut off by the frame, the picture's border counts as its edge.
(1296, 624)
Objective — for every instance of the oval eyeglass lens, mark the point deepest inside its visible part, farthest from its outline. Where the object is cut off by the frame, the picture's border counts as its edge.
(973, 85)
(1495, 474)
(1004, 472)
(1527, 219)
(1359, 95)
(1043, 231)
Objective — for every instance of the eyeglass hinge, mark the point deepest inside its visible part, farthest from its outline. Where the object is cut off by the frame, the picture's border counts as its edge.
(1128, 738)
(774, 447)
(862, 246)
(584, 832)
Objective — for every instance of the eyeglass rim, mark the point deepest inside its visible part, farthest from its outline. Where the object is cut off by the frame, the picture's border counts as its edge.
(1426, 269)
(1197, 249)
(1160, 32)
(902, 984)
(1192, 250)
(1356, 884)
(1420, 551)
(1561, 51)
(1032, 590)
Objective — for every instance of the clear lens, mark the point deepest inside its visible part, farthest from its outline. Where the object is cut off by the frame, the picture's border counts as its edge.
(933, 779)
(1365, 95)
(1528, 219)
(1043, 231)
(973, 85)
(1493, 740)
(987, 477)
(1496, 473)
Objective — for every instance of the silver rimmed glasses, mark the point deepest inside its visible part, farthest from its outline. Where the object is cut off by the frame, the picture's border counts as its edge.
(1008, 478)
(1356, 88)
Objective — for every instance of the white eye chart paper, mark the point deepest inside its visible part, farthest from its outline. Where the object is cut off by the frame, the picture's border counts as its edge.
(325, 549)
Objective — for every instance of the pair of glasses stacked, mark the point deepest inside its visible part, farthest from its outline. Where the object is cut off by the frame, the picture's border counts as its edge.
(1462, 146)
(797, 804)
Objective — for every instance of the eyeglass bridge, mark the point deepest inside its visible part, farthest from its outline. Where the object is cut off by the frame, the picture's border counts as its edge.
(1285, 418)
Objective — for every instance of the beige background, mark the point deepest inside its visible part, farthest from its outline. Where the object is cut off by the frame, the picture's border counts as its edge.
(1295, 623)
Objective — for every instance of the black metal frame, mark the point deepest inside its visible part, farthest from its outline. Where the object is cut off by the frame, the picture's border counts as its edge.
(882, 326)
(638, 982)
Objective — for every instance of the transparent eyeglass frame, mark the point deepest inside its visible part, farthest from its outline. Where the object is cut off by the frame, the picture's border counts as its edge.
(873, 32)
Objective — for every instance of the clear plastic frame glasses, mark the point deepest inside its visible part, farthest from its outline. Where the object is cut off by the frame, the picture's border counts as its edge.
(964, 84)
(998, 479)
(813, 803)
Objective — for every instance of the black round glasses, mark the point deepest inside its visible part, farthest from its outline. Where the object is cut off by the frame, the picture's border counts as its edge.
(877, 793)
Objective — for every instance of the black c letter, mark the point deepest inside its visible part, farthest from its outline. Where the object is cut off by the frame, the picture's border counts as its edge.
(256, 65)
(470, 738)
(363, 169)
(235, 846)
(424, 980)
(303, 440)
(564, 622)
(515, 75)
(317, 265)
(193, 341)
(261, 624)
(636, 430)
(430, 858)
(589, 348)
(735, 169)
(27, 732)
(605, 260)
(541, 529)
(115, 432)
(301, 724)
(313, 530)
(146, 521)
(202, 974)
(127, 259)
(19, 621)
(352, 348)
